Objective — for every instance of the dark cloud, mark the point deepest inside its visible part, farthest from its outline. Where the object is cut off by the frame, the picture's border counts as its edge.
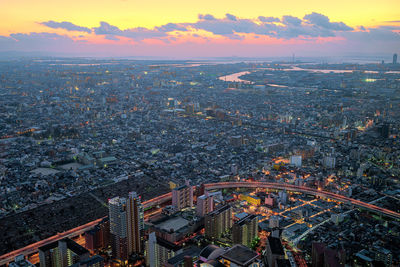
(371, 40)
(313, 25)
(65, 25)
(170, 27)
(230, 28)
(372, 35)
(268, 19)
(139, 33)
(106, 28)
(324, 22)
(290, 20)
(111, 37)
(231, 17)
(37, 35)
(42, 41)
(206, 17)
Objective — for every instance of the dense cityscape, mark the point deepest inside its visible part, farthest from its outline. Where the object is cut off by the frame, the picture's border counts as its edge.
(199, 163)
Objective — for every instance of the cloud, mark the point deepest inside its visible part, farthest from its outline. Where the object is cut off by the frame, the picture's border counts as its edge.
(385, 34)
(231, 17)
(382, 39)
(24, 37)
(65, 25)
(268, 19)
(324, 22)
(231, 26)
(206, 17)
(111, 38)
(313, 25)
(170, 27)
(106, 28)
(138, 33)
(313, 28)
(290, 20)
(41, 41)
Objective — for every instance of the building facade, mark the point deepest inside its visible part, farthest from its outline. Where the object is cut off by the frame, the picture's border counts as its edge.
(218, 222)
(245, 230)
(182, 196)
(205, 204)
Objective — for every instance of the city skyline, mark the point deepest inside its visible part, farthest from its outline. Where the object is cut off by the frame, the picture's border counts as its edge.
(191, 134)
(273, 160)
(180, 30)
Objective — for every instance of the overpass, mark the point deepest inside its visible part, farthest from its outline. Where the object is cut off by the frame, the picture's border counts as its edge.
(32, 248)
(306, 190)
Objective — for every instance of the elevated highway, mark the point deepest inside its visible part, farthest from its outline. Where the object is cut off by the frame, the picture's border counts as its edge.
(306, 190)
(32, 248)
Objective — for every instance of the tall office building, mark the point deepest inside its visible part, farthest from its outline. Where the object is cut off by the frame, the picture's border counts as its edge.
(62, 253)
(49, 255)
(135, 223)
(274, 251)
(158, 251)
(218, 222)
(126, 224)
(118, 228)
(395, 59)
(182, 196)
(98, 237)
(205, 204)
(151, 250)
(245, 230)
(71, 252)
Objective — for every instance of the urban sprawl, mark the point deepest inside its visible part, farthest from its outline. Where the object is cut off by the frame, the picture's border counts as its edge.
(199, 163)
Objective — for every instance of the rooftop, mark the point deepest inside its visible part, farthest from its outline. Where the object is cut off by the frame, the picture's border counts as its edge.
(246, 219)
(175, 224)
(240, 255)
(192, 251)
(20, 261)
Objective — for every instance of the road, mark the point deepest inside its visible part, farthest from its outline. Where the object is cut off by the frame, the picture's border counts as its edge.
(296, 241)
(32, 248)
(307, 190)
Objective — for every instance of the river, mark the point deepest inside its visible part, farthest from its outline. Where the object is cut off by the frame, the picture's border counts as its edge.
(234, 77)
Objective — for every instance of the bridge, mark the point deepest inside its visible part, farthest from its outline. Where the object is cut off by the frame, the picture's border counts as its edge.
(306, 190)
(33, 248)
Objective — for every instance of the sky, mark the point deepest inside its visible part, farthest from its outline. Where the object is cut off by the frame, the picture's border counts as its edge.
(207, 28)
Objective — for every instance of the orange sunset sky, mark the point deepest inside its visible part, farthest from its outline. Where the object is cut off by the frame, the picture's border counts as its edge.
(182, 28)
